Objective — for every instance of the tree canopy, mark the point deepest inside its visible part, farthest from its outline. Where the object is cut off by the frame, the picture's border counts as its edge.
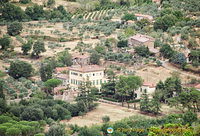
(14, 28)
(20, 69)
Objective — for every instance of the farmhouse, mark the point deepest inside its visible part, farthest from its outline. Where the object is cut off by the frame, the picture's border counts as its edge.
(64, 78)
(139, 39)
(141, 16)
(148, 87)
(80, 59)
(80, 74)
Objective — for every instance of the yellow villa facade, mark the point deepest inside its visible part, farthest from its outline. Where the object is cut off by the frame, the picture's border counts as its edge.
(79, 74)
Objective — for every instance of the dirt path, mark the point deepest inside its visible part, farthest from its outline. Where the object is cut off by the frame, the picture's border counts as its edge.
(165, 64)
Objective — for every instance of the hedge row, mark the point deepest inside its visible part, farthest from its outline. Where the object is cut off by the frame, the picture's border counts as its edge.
(133, 101)
(110, 99)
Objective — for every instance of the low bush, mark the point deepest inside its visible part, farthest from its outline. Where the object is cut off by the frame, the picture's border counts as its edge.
(110, 99)
(133, 101)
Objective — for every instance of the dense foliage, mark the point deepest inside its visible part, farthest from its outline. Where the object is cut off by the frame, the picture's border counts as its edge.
(20, 69)
(13, 127)
(14, 28)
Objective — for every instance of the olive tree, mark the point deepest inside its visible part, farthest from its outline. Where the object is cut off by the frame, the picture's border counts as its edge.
(20, 69)
(14, 28)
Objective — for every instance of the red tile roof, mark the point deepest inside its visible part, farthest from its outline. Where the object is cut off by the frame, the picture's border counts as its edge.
(151, 85)
(63, 76)
(61, 69)
(197, 86)
(86, 68)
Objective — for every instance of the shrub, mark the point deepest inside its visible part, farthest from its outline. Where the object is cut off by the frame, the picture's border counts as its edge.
(106, 119)
(133, 101)
(24, 1)
(158, 63)
(21, 95)
(14, 28)
(40, 134)
(28, 84)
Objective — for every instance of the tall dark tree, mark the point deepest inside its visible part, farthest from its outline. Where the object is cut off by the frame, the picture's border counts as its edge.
(109, 87)
(94, 58)
(144, 102)
(178, 86)
(86, 96)
(155, 104)
(38, 48)
(46, 71)
(3, 103)
(2, 95)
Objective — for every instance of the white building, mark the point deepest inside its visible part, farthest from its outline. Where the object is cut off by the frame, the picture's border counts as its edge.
(150, 89)
(141, 16)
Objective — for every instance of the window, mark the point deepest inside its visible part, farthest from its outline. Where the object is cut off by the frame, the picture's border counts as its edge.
(76, 82)
(97, 82)
(80, 75)
(71, 81)
(94, 82)
(93, 74)
(100, 81)
(73, 73)
(140, 89)
(135, 95)
(100, 73)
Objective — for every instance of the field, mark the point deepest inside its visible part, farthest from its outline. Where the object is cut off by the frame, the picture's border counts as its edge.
(115, 113)
(154, 74)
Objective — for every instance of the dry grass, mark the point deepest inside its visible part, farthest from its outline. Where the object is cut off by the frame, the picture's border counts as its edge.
(95, 117)
(154, 74)
(114, 112)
